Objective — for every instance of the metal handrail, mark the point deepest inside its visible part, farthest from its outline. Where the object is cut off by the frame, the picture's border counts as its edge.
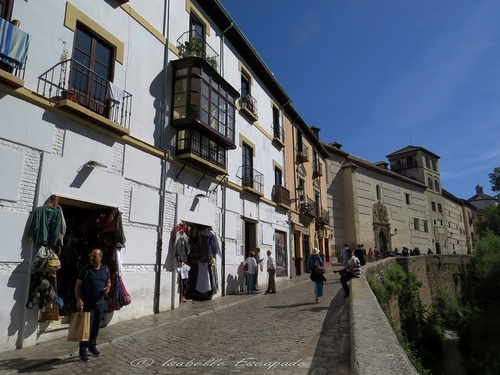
(279, 132)
(69, 79)
(251, 178)
(302, 154)
(250, 103)
(197, 46)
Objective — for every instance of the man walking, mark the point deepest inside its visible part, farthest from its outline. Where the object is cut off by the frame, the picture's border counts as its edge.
(271, 270)
(93, 283)
(350, 271)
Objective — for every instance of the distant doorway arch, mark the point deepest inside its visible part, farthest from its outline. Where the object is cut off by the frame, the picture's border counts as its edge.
(438, 248)
(383, 244)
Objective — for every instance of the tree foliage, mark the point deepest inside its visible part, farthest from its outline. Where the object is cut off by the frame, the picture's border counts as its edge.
(480, 336)
(489, 221)
(495, 181)
(419, 333)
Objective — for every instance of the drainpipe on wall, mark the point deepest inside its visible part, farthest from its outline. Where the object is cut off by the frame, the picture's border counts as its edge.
(289, 218)
(223, 265)
(295, 192)
(224, 183)
(163, 122)
(222, 49)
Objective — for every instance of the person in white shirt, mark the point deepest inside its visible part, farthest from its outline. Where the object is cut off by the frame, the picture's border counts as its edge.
(271, 270)
(252, 268)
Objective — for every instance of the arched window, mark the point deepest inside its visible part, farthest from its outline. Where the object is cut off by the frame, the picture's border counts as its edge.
(436, 185)
(429, 182)
(379, 195)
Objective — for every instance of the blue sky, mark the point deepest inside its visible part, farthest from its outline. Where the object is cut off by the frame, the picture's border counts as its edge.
(379, 75)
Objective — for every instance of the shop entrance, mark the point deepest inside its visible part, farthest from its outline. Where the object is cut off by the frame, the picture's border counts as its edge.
(88, 226)
(202, 279)
(250, 237)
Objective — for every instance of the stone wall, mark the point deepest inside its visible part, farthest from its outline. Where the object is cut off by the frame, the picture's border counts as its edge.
(375, 347)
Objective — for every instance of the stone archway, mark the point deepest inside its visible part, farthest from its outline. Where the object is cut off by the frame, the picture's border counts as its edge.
(381, 227)
(382, 242)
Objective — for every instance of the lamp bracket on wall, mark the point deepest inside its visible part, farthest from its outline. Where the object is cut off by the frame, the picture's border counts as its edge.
(92, 164)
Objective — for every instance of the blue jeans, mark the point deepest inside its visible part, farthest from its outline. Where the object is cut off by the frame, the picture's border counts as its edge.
(318, 288)
(250, 282)
(96, 314)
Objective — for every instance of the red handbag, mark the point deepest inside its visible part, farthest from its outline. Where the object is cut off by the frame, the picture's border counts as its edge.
(125, 298)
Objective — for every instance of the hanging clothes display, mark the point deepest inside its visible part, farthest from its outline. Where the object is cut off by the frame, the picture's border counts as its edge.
(47, 229)
(183, 271)
(182, 247)
(207, 280)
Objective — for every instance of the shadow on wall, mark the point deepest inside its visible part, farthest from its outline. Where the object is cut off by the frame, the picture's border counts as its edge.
(23, 322)
(236, 283)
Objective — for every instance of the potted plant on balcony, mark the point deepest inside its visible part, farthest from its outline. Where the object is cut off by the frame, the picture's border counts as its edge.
(244, 101)
(194, 47)
(212, 61)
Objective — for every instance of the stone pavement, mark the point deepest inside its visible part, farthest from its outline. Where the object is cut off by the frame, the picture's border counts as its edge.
(285, 333)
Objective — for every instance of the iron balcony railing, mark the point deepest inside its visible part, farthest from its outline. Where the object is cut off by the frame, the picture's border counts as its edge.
(192, 141)
(251, 178)
(248, 102)
(307, 206)
(72, 80)
(302, 154)
(281, 195)
(317, 169)
(279, 132)
(190, 45)
(323, 216)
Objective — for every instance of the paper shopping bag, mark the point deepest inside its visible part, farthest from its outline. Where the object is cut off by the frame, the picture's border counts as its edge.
(51, 312)
(79, 326)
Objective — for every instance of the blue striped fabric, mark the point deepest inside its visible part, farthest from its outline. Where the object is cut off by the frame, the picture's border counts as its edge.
(14, 44)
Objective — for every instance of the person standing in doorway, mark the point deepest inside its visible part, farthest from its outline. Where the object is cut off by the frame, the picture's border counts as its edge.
(93, 283)
(252, 267)
(317, 278)
(271, 271)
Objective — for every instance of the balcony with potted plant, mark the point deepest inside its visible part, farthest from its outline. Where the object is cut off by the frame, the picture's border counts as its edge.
(79, 89)
(196, 46)
(248, 106)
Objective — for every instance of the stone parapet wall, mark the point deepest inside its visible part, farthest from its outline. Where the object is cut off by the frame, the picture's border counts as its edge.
(374, 345)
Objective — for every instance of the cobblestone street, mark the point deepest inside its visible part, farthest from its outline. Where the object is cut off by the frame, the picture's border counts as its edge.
(285, 333)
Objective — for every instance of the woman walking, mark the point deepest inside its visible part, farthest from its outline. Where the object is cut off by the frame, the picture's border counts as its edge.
(316, 277)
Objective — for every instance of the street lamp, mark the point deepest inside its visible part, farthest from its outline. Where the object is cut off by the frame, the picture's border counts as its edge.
(300, 194)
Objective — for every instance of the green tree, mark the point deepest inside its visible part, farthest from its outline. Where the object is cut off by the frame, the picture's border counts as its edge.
(495, 181)
(489, 221)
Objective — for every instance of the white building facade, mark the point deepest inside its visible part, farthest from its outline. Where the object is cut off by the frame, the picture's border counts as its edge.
(142, 116)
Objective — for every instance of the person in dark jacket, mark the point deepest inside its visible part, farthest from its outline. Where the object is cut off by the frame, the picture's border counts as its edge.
(93, 283)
